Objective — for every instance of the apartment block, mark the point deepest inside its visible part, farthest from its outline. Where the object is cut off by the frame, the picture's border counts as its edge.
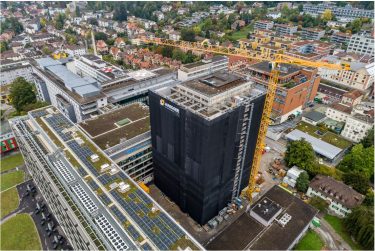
(263, 25)
(312, 33)
(297, 87)
(202, 68)
(204, 134)
(343, 12)
(77, 98)
(9, 72)
(340, 38)
(286, 29)
(341, 198)
(97, 204)
(361, 44)
(123, 133)
(357, 126)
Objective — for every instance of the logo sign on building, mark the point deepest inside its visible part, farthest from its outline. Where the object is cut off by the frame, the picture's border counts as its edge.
(169, 107)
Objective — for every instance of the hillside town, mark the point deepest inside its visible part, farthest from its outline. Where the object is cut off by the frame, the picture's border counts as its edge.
(187, 125)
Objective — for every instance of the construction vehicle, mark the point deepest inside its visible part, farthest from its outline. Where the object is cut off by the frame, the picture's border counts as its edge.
(275, 60)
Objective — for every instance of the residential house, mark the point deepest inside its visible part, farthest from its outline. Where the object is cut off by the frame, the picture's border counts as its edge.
(166, 8)
(357, 126)
(263, 24)
(75, 50)
(183, 11)
(119, 42)
(237, 24)
(175, 35)
(341, 198)
(339, 112)
(101, 46)
(352, 98)
(158, 14)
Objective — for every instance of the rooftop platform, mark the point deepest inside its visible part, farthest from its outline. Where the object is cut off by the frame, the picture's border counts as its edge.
(145, 222)
(285, 69)
(247, 233)
(122, 124)
(215, 84)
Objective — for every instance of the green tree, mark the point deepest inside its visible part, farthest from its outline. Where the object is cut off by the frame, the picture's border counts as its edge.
(11, 23)
(188, 35)
(359, 181)
(360, 224)
(369, 199)
(301, 154)
(318, 203)
(78, 12)
(46, 50)
(368, 141)
(120, 13)
(21, 94)
(302, 183)
(360, 160)
(3, 46)
(59, 21)
(101, 36)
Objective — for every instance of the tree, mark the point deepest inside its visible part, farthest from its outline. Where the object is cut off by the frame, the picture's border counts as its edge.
(101, 36)
(3, 46)
(318, 203)
(78, 12)
(21, 94)
(59, 21)
(300, 153)
(188, 35)
(368, 141)
(369, 199)
(46, 50)
(359, 159)
(360, 224)
(238, 28)
(302, 183)
(327, 15)
(120, 13)
(11, 23)
(208, 34)
(357, 180)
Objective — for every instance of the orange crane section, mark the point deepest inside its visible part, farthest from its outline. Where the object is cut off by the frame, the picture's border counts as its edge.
(275, 59)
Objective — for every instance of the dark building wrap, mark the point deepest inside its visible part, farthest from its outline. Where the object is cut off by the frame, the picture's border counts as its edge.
(195, 158)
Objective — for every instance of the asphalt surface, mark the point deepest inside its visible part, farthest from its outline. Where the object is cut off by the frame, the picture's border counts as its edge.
(28, 205)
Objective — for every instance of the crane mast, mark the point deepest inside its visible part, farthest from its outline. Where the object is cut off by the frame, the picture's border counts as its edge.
(275, 59)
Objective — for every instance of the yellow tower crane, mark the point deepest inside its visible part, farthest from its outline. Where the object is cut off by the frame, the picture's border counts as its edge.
(243, 52)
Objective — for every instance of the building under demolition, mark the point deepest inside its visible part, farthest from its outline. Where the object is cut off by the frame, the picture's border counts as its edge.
(204, 133)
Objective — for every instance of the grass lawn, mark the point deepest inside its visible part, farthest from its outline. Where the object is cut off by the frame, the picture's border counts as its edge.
(241, 33)
(338, 224)
(10, 162)
(9, 201)
(311, 241)
(11, 179)
(328, 137)
(19, 233)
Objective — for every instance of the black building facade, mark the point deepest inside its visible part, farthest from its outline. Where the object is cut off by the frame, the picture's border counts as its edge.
(195, 159)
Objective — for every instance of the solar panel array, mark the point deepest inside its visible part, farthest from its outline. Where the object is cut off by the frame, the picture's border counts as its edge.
(118, 214)
(104, 198)
(58, 122)
(162, 231)
(168, 232)
(37, 114)
(83, 153)
(93, 185)
(146, 246)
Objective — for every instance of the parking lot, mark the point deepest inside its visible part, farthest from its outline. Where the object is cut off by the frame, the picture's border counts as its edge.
(28, 204)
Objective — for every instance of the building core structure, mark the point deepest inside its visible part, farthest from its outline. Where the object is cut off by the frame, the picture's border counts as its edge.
(203, 135)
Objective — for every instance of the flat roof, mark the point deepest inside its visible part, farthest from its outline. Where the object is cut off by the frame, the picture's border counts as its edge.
(247, 233)
(321, 147)
(107, 130)
(215, 83)
(134, 210)
(315, 116)
(284, 68)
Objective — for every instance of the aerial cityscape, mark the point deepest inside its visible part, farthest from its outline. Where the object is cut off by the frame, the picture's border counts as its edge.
(187, 125)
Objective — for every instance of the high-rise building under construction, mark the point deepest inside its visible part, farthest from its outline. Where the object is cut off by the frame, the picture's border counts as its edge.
(204, 133)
